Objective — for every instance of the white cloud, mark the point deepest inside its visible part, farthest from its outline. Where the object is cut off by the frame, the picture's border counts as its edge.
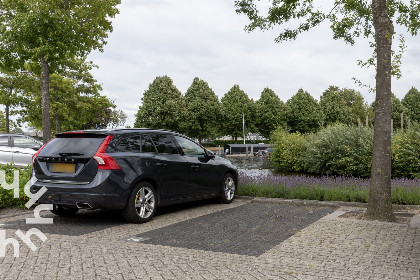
(206, 38)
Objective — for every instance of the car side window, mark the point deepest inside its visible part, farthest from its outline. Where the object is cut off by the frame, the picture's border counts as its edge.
(189, 147)
(23, 142)
(147, 144)
(164, 144)
(129, 144)
(4, 141)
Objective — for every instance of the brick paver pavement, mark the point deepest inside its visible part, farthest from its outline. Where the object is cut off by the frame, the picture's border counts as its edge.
(330, 248)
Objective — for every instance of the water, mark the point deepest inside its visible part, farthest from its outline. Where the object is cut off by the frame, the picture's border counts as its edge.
(260, 166)
(252, 166)
(250, 162)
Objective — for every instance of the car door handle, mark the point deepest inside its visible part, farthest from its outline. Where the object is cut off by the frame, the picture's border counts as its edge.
(161, 164)
(195, 166)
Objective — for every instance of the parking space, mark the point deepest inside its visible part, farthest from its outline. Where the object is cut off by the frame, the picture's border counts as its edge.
(249, 229)
(205, 240)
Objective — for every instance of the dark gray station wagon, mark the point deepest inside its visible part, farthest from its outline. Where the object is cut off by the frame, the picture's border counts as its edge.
(132, 170)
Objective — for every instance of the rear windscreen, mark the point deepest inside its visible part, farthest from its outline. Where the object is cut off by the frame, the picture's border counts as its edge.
(77, 147)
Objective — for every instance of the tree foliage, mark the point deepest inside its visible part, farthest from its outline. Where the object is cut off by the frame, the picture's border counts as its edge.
(162, 106)
(73, 91)
(48, 33)
(411, 101)
(343, 106)
(202, 110)
(12, 87)
(305, 114)
(233, 104)
(397, 108)
(351, 19)
(271, 113)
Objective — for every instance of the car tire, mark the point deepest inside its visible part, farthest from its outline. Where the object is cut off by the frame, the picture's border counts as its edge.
(228, 189)
(64, 211)
(141, 204)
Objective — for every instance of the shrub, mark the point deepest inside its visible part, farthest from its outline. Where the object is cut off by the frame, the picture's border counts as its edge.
(339, 150)
(6, 196)
(406, 152)
(288, 150)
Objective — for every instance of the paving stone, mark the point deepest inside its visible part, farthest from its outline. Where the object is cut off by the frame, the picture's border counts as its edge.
(328, 248)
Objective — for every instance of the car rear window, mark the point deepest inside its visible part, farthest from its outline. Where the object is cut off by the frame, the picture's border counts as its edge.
(129, 144)
(76, 146)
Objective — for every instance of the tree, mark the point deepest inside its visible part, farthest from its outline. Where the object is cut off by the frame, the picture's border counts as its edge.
(162, 106)
(343, 106)
(351, 19)
(271, 113)
(12, 86)
(202, 110)
(233, 104)
(2, 122)
(411, 101)
(397, 108)
(72, 92)
(48, 33)
(305, 114)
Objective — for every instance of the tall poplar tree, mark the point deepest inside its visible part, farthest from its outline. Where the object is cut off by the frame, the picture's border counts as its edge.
(162, 106)
(235, 103)
(271, 113)
(202, 110)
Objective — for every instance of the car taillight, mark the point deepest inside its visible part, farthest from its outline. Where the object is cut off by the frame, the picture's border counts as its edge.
(104, 160)
(34, 156)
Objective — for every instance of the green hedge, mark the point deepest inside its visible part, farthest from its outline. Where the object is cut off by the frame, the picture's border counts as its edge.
(6, 196)
(406, 153)
(288, 152)
(339, 150)
(344, 150)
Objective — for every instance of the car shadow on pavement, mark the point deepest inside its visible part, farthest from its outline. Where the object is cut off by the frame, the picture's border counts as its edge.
(88, 221)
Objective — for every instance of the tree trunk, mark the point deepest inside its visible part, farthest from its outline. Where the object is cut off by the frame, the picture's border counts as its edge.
(45, 99)
(380, 206)
(57, 123)
(7, 111)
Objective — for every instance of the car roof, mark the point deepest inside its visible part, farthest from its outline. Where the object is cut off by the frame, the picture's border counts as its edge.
(124, 131)
(120, 131)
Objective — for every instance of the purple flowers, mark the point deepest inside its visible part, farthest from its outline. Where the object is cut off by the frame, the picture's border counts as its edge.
(265, 177)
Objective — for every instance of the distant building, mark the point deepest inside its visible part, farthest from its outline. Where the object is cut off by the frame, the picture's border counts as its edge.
(238, 149)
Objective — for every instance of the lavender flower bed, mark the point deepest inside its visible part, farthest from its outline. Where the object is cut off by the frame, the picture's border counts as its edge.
(339, 188)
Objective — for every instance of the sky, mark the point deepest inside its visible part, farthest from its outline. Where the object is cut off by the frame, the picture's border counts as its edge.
(185, 39)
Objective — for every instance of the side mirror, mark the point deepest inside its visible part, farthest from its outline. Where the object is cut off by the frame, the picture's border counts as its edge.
(210, 154)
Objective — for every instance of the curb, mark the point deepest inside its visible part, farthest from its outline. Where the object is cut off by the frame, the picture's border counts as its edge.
(334, 204)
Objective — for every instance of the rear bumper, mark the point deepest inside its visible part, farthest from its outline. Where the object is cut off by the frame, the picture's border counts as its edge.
(106, 191)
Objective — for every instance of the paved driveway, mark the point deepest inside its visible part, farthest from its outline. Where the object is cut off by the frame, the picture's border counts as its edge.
(204, 240)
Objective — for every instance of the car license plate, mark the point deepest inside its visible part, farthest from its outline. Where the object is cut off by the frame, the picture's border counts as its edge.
(63, 167)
